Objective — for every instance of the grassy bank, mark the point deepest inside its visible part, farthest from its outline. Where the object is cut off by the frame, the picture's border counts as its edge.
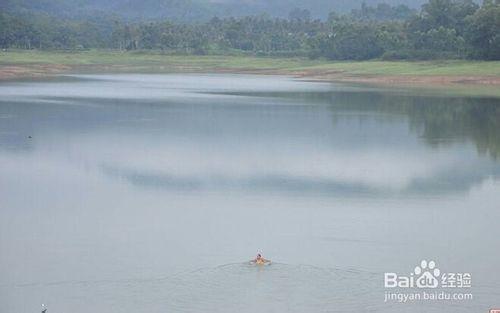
(38, 63)
(152, 61)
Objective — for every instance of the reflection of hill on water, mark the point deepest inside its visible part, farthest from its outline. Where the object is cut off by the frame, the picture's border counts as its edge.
(438, 120)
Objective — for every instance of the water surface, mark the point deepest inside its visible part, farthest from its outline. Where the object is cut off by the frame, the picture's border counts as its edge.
(147, 193)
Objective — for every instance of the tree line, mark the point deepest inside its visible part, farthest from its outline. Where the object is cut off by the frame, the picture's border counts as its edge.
(441, 29)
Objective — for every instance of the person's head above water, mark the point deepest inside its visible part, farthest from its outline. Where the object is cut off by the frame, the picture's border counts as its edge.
(259, 259)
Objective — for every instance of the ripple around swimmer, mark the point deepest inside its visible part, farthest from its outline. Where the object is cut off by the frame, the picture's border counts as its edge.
(236, 288)
(275, 288)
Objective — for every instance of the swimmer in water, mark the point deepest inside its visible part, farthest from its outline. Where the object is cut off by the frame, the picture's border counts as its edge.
(260, 260)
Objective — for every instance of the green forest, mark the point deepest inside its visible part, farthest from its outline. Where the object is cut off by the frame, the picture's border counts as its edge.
(441, 29)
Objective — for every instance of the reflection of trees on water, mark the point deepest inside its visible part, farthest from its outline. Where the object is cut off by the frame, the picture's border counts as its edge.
(437, 120)
(477, 120)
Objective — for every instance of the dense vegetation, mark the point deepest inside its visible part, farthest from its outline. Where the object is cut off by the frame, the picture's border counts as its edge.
(189, 10)
(441, 29)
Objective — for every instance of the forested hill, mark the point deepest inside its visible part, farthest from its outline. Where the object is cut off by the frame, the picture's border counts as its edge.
(189, 10)
(441, 29)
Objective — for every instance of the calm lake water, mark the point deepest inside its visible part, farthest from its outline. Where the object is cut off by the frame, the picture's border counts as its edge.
(148, 193)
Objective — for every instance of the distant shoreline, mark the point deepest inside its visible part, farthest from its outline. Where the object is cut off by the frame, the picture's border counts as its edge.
(39, 64)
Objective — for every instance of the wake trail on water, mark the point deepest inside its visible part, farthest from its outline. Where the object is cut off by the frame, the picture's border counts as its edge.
(238, 286)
